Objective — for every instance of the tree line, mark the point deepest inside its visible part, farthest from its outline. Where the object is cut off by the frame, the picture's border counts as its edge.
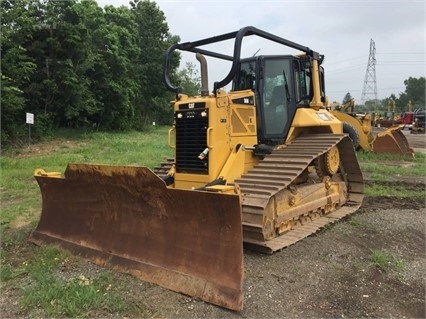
(413, 98)
(74, 64)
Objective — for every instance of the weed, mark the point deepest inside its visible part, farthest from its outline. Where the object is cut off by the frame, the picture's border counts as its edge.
(329, 227)
(6, 272)
(49, 257)
(9, 272)
(386, 262)
(13, 237)
(354, 221)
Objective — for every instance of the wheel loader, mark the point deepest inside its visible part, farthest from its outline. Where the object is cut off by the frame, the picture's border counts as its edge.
(358, 126)
(259, 167)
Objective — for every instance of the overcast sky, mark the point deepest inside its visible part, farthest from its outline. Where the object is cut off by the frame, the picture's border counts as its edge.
(341, 30)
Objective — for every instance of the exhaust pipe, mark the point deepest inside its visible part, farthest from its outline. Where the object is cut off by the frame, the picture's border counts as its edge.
(204, 77)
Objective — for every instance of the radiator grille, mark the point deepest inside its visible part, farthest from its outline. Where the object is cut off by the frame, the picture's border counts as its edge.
(191, 139)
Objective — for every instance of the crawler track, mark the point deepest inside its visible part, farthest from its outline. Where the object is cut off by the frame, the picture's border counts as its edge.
(164, 168)
(278, 171)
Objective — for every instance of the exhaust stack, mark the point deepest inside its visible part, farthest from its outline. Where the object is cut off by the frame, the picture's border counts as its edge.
(204, 76)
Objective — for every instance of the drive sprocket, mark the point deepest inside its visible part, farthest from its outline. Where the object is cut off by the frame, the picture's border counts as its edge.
(328, 163)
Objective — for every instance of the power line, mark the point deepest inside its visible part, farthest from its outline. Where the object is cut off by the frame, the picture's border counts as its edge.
(401, 63)
(400, 53)
(343, 69)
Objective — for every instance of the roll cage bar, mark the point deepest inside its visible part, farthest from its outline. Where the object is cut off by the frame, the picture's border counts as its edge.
(238, 36)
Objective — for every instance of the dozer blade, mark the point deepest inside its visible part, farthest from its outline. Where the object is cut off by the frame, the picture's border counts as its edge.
(392, 141)
(126, 218)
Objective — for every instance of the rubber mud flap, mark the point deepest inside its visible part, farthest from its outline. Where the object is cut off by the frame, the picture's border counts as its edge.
(392, 141)
(126, 218)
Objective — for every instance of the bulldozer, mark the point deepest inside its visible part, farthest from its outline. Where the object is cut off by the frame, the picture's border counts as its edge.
(358, 126)
(259, 167)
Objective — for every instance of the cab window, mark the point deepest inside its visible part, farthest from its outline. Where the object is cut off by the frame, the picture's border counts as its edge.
(246, 78)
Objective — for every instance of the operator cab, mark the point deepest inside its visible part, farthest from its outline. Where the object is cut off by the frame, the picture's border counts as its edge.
(281, 85)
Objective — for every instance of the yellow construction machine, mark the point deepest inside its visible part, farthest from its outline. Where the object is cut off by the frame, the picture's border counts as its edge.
(358, 126)
(419, 122)
(264, 164)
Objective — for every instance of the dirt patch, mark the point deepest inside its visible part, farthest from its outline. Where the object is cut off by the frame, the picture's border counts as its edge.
(387, 202)
(416, 141)
(46, 148)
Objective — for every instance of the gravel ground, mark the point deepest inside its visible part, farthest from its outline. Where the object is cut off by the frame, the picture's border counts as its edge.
(330, 274)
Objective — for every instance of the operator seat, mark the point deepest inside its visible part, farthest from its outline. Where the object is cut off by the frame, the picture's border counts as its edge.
(278, 96)
(276, 114)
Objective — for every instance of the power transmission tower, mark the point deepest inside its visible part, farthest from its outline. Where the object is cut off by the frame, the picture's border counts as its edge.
(369, 91)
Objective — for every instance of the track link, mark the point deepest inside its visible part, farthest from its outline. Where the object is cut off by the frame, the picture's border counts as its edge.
(164, 168)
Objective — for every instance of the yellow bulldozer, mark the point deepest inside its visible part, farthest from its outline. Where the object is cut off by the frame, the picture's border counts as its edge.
(259, 167)
(358, 126)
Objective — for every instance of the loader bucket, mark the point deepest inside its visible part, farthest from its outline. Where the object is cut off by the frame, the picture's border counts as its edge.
(392, 141)
(126, 218)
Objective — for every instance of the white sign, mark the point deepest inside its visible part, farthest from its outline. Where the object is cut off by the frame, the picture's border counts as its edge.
(30, 118)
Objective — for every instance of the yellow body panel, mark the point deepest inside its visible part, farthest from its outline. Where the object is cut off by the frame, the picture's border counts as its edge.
(308, 120)
(231, 126)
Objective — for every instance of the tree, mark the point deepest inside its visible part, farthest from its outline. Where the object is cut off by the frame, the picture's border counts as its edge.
(189, 79)
(113, 78)
(153, 40)
(72, 58)
(348, 97)
(17, 24)
(415, 89)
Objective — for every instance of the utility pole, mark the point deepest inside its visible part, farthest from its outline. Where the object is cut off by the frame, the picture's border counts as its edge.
(369, 91)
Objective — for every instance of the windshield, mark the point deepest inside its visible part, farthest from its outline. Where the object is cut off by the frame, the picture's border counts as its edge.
(277, 96)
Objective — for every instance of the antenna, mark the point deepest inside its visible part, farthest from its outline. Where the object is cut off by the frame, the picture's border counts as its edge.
(369, 91)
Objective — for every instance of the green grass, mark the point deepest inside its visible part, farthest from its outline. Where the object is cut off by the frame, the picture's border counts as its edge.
(20, 196)
(354, 221)
(377, 190)
(379, 168)
(58, 296)
(384, 167)
(50, 292)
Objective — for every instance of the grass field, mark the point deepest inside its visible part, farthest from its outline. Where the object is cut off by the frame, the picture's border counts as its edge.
(21, 205)
(20, 197)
